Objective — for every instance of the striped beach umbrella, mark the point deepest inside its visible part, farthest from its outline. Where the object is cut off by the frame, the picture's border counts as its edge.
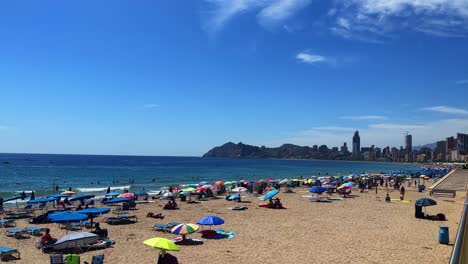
(184, 229)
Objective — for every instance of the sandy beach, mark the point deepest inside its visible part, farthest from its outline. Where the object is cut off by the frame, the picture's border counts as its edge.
(363, 229)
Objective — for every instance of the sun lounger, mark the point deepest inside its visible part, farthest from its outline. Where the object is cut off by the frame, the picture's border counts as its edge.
(121, 219)
(16, 233)
(99, 259)
(165, 227)
(18, 215)
(56, 259)
(72, 259)
(7, 223)
(8, 251)
(34, 231)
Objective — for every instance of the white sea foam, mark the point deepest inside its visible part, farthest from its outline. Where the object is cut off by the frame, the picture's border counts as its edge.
(102, 189)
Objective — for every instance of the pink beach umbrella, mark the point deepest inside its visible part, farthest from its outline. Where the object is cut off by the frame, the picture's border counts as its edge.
(127, 195)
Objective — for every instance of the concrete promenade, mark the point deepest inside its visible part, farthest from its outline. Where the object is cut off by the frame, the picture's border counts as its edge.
(454, 182)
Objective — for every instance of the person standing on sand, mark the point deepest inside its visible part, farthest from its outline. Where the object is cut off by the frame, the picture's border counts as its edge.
(402, 192)
(1, 204)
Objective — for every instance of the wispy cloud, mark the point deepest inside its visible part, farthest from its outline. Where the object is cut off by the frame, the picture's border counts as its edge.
(396, 126)
(376, 20)
(269, 12)
(446, 110)
(310, 58)
(334, 128)
(150, 106)
(364, 117)
(462, 82)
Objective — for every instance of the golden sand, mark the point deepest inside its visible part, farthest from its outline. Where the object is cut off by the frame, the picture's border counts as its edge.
(363, 229)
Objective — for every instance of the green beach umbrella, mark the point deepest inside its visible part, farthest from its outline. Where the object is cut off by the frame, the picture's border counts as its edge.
(162, 243)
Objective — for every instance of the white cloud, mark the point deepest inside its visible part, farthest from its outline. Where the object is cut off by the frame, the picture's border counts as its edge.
(269, 12)
(462, 82)
(446, 110)
(377, 19)
(364, 117)
(334, 128)
(150, 106)
(380, 135)
(309, 58)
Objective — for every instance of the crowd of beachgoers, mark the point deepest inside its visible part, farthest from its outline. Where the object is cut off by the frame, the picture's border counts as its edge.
(82, 217)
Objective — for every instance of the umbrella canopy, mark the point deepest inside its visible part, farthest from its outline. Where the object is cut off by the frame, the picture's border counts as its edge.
(270, 194)
(168, 194)
(161, 243)
(193, 185)
(203, 183)
(65, 217)
(234, 197)
(127, 195)
(82, 197)
(68, 192)
(317, 189)
(191, 189)
(219, 182)
(327, 186)
(207, 186)
(210, 220)
(239, 189)
(111, 194)
(75, 236)
(16, 197)
(117, 200)
(142, 193)
(422, 176)
(425, 202)
(59, 195)
(94, 211)
(184, 229)
(42, 200)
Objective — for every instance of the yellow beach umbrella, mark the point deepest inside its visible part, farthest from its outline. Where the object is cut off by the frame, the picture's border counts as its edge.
(422, 176)
(162, 243)
(191, 189)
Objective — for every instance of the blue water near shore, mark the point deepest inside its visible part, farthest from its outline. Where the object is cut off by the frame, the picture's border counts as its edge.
(94, 173)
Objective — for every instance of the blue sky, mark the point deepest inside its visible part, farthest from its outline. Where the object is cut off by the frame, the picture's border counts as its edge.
(179, 77)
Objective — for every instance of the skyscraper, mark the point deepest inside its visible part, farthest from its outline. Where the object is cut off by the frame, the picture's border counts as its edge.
(409, 147)
(462, 143)
(356, 145)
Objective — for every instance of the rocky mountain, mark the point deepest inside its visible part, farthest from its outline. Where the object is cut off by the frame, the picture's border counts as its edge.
(286, 151)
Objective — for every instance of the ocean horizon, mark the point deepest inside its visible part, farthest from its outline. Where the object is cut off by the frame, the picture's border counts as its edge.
(41, 173)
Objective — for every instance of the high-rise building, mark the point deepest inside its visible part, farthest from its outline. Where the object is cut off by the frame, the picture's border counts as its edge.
(356, 145)
(440, 151)
(409, 147)
(450, 145)
(462, 143)
(344, 148)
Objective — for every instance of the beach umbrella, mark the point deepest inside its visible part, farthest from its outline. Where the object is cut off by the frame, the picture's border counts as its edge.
(93, 212)
(127, 195)
(82, 197)
(207, 186)
(219, 182)
(425, 202)
(200, 189)
(68, 192)
(228, 183)
(350, 184)
(112, 194)
(327, 186)
(59, 195)
(66, 217)
(317, 189)
(203, 183)
(234, 197)
(75, 236)
(239, 189)
(161, 243)
(283, 181)
(12, 198)
(210, 220)
(168, 194)
(141, 193)
(184, 229)
(193, 185)
(344, 187)
(189, 190)
(117, 200)
(42, 200)
(270, 194)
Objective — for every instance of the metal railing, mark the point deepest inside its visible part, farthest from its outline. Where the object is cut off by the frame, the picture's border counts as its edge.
(460, 247)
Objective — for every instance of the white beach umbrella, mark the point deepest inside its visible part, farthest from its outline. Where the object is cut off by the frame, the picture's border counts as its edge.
(239, 189)
(168, 194)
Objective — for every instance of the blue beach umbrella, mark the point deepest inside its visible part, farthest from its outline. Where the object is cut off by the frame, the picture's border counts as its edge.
(66, 217)
(141, 193)
(42, 200)
(270, 194)
(233, 197)
(425, 202)
(317, 189)
(327, 186)
(82, 197)
(112, 194)
(193, 185)
(16, 197)
(210, 220)
(118, 200)
(59, 195)
(94, 211)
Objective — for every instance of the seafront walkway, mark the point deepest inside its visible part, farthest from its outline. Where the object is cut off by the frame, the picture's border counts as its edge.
(454, 181)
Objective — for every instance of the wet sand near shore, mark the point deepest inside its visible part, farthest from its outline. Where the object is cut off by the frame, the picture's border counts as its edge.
(362, 229)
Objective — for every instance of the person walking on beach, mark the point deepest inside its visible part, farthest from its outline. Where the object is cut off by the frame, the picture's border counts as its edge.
(402, 192)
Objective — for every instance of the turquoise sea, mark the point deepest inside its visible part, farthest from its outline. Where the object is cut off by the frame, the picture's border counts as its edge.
(94, 173)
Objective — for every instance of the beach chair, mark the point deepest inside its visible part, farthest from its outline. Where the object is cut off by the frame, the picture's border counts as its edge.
(8, 251)
(165, 227)
(16, 233)
(72, 259)
(99, 259)
(34, 231)
(121, 219)
(56, 259)
(7, 223)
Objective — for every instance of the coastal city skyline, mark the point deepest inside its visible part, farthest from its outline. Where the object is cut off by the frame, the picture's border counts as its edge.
(132, 80)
